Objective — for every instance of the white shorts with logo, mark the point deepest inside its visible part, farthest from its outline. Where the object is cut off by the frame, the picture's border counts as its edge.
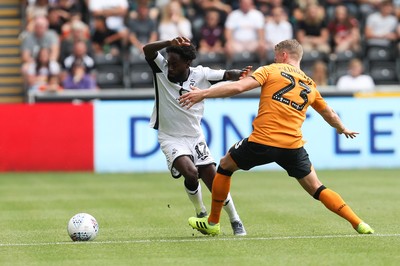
(196, 148)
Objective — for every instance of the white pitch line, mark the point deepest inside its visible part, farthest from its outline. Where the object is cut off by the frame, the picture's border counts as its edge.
(195, 239)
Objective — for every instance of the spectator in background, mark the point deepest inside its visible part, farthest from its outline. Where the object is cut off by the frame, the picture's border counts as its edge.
(367, 7)
(79, 55)
(33, 42)
(312, 32)
(344, 31)
(398, 41)
(266, 7)
(201, 8)
(60, 13)
(355, 80)
(396, 4)
(211, 34)
(114, 12)
(55, 20)
(69, 7)
(222, 7)
(79, 32)
(154, 11)
(320, 73)
(75, 19)
(380, 27)
(53, 84)
(298, 10)
(173, 22)
(277, 28)
(79, 78)
(104, 40)
(142, 29)
(41, 69)
(38, 8)
(244, 31)
(83, 7)
(351, 5)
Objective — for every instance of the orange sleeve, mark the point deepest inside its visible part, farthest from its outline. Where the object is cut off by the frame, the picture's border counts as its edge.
(319, 103)
(261, 74)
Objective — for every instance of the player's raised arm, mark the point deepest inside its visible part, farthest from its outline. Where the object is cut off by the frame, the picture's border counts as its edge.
(334, 120)
(220, 91)
(150, 50)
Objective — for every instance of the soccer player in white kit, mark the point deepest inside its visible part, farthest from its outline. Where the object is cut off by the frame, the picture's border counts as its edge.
(180, 134)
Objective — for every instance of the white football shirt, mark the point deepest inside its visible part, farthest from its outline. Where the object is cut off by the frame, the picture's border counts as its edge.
(168, 116)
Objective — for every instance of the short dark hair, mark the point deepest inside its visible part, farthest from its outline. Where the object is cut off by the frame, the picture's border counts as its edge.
(185, 52)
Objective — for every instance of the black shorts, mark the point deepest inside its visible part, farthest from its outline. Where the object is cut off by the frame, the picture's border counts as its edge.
(250, 154)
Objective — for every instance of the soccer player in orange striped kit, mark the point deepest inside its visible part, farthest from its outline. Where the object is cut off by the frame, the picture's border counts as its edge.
(286, 93)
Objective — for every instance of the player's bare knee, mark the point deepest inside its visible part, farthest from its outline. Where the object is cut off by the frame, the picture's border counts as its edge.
(190, 173)
(227, 164)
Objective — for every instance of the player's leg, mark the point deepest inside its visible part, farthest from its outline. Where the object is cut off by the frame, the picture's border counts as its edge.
(220, 191)
(207, 173)
(178, 154)
(221, 187)
(298, 165)
(333, 201)
(245, 154)
(206, 167)
(186, 167)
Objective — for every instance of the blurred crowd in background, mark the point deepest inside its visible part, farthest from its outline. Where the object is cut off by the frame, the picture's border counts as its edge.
(97, 44)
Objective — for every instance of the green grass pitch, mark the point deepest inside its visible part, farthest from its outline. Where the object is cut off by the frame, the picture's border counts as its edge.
(143, 220)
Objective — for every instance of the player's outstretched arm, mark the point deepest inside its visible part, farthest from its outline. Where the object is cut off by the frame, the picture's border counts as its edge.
(236, 74)
(334, 120)
(221, 91)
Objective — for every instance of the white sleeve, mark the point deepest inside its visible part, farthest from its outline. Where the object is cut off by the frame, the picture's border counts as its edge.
(213, 74)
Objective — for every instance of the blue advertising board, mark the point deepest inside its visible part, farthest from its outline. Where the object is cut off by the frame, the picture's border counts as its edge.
(125, 143)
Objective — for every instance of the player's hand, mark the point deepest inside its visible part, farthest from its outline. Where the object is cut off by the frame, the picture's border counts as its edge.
(191, 98)
(348, 133)
(245, 71)
(180, 41)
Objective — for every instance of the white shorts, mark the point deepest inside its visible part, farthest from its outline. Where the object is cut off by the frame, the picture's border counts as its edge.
(196, 148)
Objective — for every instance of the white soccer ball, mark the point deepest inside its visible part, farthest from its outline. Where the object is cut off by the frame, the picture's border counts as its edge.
(82, 227)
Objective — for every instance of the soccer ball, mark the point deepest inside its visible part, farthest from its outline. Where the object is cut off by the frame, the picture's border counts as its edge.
(82, 227)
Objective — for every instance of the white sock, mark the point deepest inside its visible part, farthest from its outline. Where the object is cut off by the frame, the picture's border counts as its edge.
(197, 199)
(230, 209)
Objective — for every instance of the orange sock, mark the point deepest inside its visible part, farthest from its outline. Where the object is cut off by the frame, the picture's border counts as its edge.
(336, 204)
(220, 190)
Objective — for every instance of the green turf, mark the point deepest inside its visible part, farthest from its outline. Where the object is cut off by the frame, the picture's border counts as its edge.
(143, 220)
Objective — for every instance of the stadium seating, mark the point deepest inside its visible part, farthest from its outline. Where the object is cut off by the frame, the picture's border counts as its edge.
(240, 60)
(109, 72)
(212, 60)
(381, 65)
(309, 58)
(131, 71)
(140, 74)
(379, 53)
(339, 64)
(383, 72)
